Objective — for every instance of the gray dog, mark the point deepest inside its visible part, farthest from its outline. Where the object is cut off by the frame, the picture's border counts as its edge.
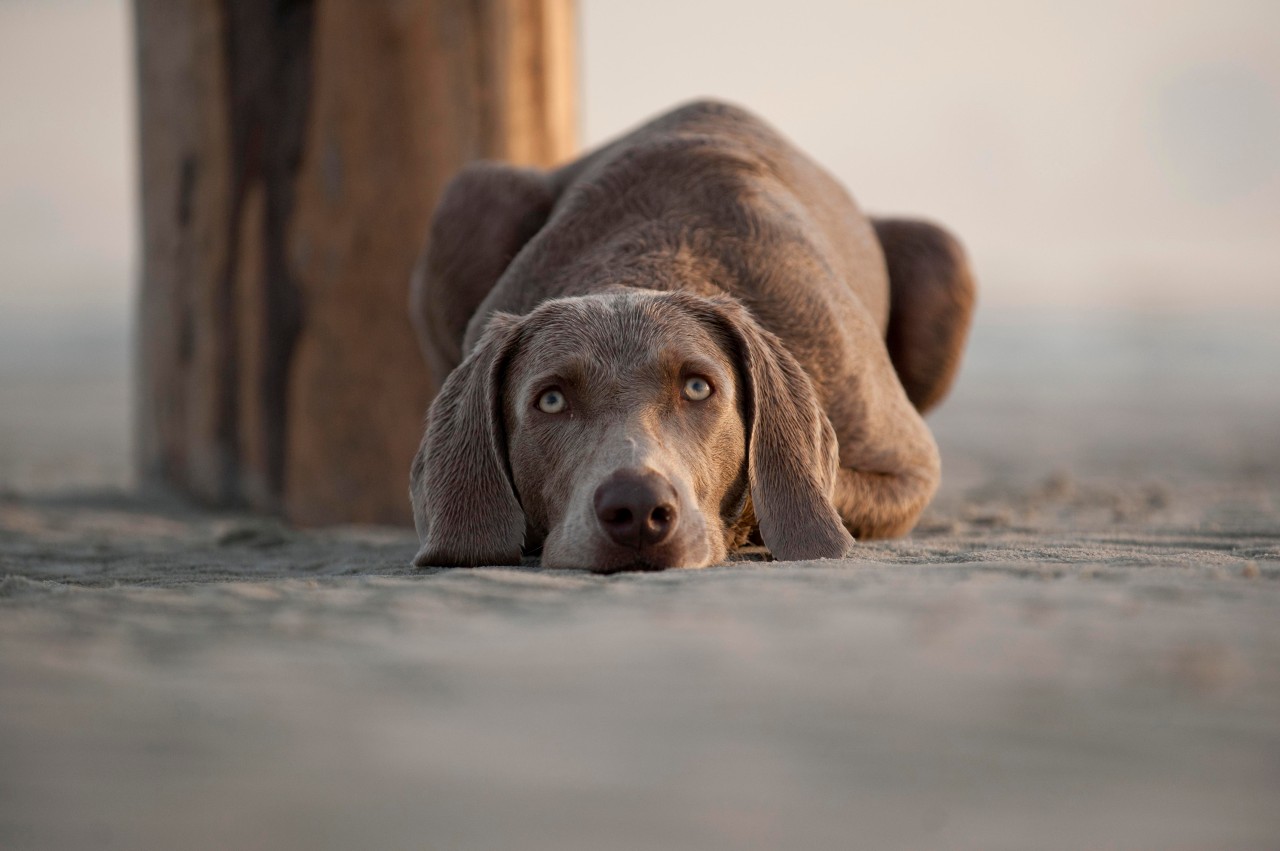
(686, 339)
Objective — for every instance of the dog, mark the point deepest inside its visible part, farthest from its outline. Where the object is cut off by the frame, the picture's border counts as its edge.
(686, 340)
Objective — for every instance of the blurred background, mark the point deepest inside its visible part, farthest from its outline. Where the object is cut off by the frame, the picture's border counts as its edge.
(1076, 648)
(1113, 168)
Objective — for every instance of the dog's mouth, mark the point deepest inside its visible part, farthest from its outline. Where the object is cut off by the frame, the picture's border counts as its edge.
(637, 565)
(672, 556)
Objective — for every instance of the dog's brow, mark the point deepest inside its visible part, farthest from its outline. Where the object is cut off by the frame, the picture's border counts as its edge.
(702, 366)
(679, 363)
(573, 371)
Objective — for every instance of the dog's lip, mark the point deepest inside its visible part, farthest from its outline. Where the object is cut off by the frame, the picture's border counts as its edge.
(639, 565)
(668, 556)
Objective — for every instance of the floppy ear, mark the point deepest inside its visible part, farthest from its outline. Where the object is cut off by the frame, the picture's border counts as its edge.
(464, 505)
(792, 455)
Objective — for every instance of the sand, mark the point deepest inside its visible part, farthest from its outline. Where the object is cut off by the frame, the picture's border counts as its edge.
(1079, 647)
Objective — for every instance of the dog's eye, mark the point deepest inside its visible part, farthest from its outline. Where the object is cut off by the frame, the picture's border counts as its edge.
(697, 388)
(552, 402)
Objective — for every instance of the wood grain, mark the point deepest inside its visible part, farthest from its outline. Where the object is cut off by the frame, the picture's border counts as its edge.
(291, 154)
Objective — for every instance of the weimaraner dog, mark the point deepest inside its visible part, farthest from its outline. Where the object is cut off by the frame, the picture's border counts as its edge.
(686, 340)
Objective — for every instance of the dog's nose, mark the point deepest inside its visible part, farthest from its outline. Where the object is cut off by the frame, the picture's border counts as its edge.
(636, 508)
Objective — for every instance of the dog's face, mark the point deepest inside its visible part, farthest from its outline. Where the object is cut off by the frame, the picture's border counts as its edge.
(625, 434)
(625, 430)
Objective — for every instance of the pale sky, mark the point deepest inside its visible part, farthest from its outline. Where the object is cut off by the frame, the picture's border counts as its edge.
(1111, 153)
(67, 218)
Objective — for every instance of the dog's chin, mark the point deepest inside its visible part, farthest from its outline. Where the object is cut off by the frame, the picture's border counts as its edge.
(613, 559)
(607, 557)
(636, 564)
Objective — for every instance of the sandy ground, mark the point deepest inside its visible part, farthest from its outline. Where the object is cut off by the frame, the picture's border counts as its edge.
(1079, 647)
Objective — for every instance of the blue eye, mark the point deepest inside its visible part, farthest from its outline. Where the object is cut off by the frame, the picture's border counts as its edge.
(697, 388)
(552, 402)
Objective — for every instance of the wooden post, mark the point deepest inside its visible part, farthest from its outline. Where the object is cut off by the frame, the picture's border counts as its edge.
(291, 153)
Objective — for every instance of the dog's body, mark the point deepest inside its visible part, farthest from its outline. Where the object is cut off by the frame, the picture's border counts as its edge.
(573, 320)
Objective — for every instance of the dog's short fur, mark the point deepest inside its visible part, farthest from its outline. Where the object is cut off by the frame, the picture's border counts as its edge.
(700, 247)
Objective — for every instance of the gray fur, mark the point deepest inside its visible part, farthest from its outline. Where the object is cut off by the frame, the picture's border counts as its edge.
(701, 243)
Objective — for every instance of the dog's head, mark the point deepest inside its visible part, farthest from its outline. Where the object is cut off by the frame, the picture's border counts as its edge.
(625, 430)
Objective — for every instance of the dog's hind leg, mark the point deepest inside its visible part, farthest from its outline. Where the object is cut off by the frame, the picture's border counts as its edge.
(931, 297)
(486, 214)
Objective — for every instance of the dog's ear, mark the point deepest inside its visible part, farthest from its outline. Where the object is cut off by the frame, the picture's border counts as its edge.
(792, 455)
(464, 505)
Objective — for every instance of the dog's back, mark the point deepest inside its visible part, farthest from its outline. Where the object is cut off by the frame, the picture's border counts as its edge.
(711, 163)
(709, 199)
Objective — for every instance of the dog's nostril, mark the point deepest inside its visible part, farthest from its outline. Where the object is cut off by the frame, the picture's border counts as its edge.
(617, 516)
(662, 518)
